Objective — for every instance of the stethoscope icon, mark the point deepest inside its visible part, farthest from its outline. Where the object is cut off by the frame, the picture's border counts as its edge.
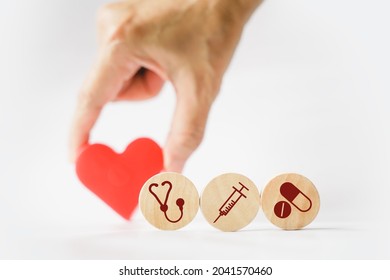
(164, 206)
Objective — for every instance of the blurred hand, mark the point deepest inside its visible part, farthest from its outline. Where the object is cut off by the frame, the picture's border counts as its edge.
(143, 43)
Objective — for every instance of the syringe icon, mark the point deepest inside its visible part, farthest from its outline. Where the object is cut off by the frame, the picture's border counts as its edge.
(231, 201)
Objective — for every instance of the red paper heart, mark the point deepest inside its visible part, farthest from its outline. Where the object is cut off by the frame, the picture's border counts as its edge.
(118, 178)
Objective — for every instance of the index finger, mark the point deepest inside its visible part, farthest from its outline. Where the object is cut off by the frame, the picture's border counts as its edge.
(102, 85)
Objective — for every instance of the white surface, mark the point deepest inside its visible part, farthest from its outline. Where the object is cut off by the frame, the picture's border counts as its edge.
(307, 92)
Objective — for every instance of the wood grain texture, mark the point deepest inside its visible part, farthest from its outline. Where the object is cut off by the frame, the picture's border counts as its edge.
(232, 192)
(290, 201)
(169, 201)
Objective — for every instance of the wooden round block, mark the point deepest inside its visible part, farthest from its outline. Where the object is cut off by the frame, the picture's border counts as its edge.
(230, 202)
(169, 201)
(290, 201)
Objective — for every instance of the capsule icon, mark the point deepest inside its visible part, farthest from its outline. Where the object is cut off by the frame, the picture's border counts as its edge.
(297, 198)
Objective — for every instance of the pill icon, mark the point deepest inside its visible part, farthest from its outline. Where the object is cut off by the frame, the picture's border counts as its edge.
(290, 201)
(282, 209)
(297, 198)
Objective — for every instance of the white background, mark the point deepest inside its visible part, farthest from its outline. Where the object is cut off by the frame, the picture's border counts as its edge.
(307, 92)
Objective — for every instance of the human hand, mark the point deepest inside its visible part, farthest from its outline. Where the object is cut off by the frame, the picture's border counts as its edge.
(144, 43)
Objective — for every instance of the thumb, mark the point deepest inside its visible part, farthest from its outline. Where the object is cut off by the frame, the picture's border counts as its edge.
(194, 99)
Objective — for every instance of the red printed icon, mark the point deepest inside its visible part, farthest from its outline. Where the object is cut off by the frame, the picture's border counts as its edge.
(231, 201)
(164, 205)
(292, 194)
(282, 209)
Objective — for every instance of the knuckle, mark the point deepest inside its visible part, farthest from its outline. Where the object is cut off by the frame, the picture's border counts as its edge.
(194, 137)
(206, 85)
(114, 20)
(105, 13)
(187, 141)
(139, 31)
(114, 55)
(113, 51)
